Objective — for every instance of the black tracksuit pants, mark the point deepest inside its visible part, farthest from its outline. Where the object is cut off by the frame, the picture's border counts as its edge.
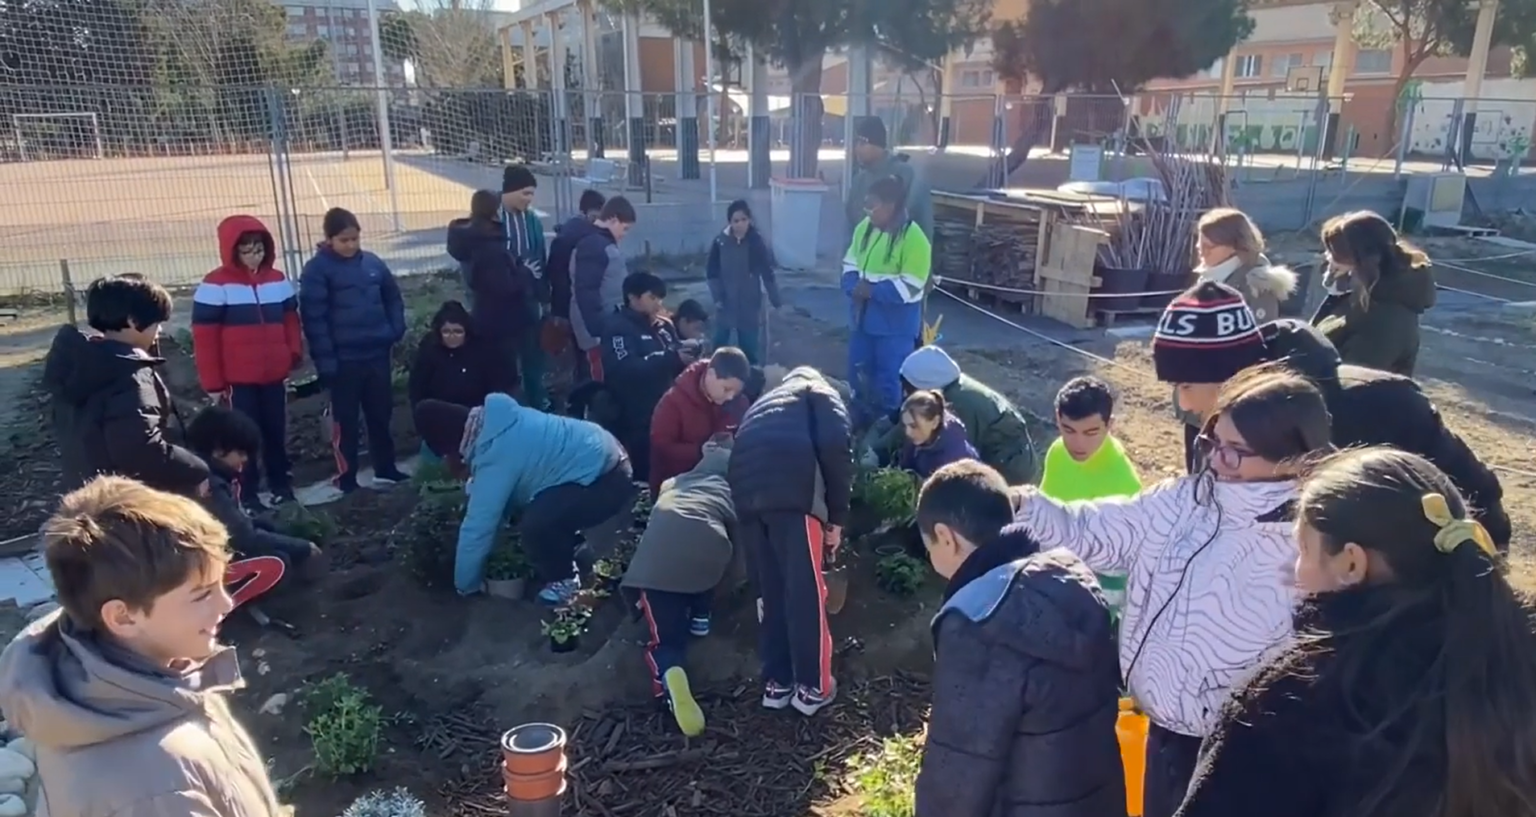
(267, 406)
(362, 387)
(552, 522)
(1170, 767)
(668, 617)
(785, 558)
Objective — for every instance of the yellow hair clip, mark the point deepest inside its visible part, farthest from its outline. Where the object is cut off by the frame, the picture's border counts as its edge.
(1453, 532)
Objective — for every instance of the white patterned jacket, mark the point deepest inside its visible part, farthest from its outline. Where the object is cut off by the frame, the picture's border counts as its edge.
(1219, 572)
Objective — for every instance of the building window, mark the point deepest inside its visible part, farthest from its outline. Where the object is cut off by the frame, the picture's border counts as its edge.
(1215, 69)
(1283, 64)
(1248, 66)
(1373, 61)
(976, 78)
(1323, 59)
(298, 30)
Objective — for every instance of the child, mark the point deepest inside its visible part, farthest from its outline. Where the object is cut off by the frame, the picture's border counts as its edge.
(225, 440)
(246, 339)
(641, 357)
(683, 554)
(560, 475)
(1205, 557)
(123, 692)
(691, 320)
(353, 315)
(791, 477)
(111, 412)
(597, 279)
(1025, 681)
(993, 424)
(935, 437)
(884, 274)
(1087, 461)
(563, 247)
(454, 363)
(694, 411)
(1415, 695)
(503, 287)
(739, 269)
(524, 235)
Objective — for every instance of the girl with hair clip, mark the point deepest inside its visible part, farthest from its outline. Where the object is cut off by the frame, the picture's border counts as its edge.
(885, 275)
(1378, 286)
(1413, 691)
(935, 436)
(1205, 558)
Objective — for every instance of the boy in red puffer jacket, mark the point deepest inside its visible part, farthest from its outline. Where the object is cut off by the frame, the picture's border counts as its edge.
(246, 340)
(693, 410)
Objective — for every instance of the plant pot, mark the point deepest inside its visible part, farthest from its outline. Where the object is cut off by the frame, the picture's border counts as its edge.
(536, 786)
(1170, 282)
(836, 580)
(1118, 289)
(533, 748)
(568, 645)
(506, 588)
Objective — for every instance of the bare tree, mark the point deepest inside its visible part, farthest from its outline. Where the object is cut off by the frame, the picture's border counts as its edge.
(455, 44)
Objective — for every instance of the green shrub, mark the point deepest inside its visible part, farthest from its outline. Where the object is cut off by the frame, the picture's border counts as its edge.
(295, 520)
(885, 780)
(900, 574)
(344, 727)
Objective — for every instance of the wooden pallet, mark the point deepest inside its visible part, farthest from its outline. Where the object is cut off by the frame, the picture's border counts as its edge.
(1107, 317)
(1013, 302)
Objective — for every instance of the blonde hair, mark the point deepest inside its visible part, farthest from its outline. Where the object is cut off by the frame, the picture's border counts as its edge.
(1230, 227)
(116, 538)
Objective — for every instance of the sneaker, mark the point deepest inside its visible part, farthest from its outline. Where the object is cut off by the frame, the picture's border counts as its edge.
(283, 496)
(387, 478)
(685, 710)
(699, 626)
(346, 483)
(777, 696)
(558, 593)
(808, 701)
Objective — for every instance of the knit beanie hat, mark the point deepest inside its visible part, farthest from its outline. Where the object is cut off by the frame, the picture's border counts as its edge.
(930, 368)
(517, 177)
(1207, 335)
(441, 426)
(872, 130)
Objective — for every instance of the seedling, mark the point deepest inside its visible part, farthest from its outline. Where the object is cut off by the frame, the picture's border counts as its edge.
(900, 574)
(295, 520)
(885, 780)
(609, 570)
(344, 727)
(397, 803)
(568, 623)
(890, 492)
(508, 562)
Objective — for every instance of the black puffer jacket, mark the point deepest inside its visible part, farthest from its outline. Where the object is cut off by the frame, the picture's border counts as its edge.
(1026, 688)
(640, 361)
(112, 415)
(1372, 407)
(794, 451)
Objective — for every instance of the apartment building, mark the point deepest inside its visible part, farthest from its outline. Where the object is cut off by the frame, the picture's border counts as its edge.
(345, 26)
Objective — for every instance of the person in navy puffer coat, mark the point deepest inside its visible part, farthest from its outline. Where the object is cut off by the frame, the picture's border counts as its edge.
(935, 436)
(352, 314)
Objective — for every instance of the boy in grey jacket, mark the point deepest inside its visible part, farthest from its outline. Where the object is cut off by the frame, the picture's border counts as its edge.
(682, 556)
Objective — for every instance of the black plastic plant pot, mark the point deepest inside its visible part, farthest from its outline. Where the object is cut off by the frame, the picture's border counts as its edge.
(568, 645)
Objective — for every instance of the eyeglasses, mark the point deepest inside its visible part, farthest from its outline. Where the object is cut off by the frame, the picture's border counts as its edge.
(253, 249)
(1225, 454)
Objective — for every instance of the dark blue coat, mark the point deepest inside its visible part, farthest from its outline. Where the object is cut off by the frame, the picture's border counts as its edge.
(950, 445)
(350, 308)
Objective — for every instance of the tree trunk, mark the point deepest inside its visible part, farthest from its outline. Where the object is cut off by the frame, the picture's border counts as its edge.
(1037, 113)
(806, 110)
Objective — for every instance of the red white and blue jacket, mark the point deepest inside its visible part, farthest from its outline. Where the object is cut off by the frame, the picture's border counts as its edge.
(245, 324)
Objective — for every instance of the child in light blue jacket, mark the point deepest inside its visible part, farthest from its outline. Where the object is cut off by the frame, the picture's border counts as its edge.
(559, 474)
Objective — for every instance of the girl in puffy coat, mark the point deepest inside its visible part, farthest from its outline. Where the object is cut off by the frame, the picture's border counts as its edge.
(935, 436)
(1206, 559)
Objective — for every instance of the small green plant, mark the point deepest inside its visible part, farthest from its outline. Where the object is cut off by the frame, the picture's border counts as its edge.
(900, 574)
(567, 623)
(344, 727)
(890, 492)
(508, 562)
(426, 537)
(432, 473)
(609, 570)
(397, 803)
(884, 780)
(295, 520)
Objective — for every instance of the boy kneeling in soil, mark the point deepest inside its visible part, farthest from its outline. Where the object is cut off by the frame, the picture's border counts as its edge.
(226, 440)
(683, 555)
(1026, 682)
(124, 690)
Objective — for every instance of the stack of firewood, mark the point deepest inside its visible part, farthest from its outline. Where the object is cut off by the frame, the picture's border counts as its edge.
(1000, 255)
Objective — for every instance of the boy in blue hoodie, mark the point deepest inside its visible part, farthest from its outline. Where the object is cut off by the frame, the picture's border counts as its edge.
(559, 475)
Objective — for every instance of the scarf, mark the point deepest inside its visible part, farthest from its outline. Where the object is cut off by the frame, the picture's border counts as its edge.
(472, 426)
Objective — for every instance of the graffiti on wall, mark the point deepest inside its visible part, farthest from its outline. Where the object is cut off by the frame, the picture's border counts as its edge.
(1283, 124)
(1501, 130)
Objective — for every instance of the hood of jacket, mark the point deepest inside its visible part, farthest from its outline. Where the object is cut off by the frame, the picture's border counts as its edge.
(230, 230)
(1305, 349)
(59, 687)
(580, 229)
(690, 385)
(79, 366)
(466, 238)
(1262, 278)
(1412, 289)
(501, 416)
(1034, 594)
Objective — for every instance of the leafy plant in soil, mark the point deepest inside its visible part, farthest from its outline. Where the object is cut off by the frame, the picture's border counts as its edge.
(345, 727)
(508, 561)
(426, 537)
(566, 624)
(397, 803)
(608, 570)
(885, 780)
(891, 493)
(900, 574)
(293, 519)
(433, 475)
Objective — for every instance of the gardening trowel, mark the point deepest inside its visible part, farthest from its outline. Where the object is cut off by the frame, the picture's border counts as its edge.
(835, 576)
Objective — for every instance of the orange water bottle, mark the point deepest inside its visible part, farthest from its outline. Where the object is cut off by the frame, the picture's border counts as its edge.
(1131, 728)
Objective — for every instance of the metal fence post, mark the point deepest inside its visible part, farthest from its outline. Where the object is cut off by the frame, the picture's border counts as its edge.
(1409, 112)
(68, 283)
